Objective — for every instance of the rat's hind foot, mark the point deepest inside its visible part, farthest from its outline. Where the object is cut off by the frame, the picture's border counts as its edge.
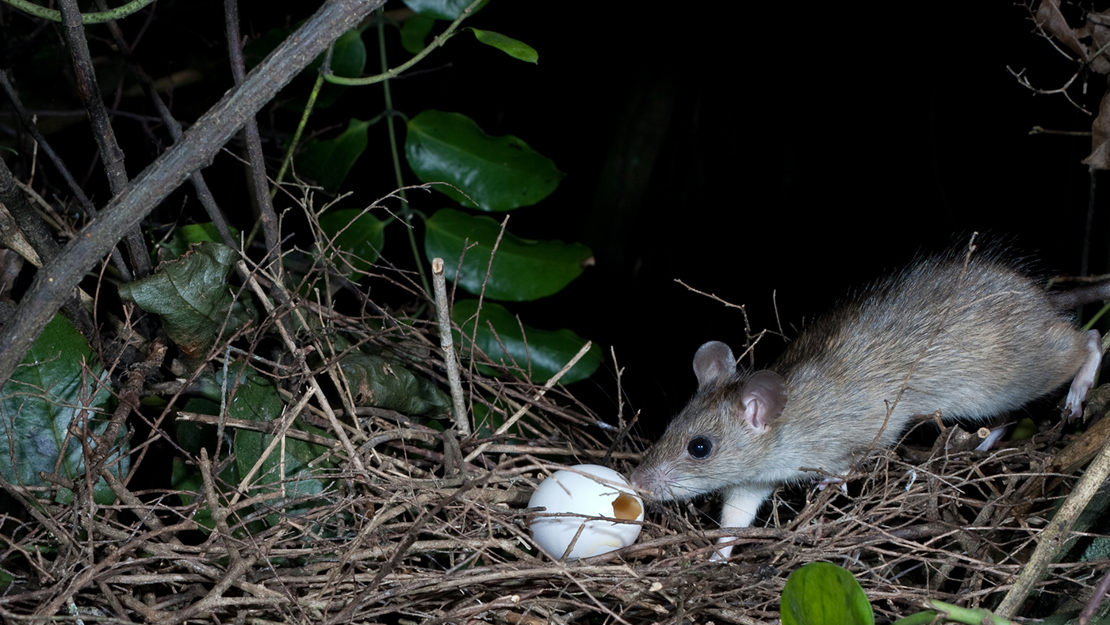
(1084, 378)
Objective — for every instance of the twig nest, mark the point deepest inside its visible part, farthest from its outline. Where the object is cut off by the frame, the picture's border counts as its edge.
(570, 497)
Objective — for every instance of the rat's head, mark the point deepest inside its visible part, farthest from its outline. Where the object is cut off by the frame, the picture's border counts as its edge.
(721, 437)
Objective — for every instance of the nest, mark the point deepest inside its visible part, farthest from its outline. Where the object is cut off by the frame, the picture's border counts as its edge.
(418, 526)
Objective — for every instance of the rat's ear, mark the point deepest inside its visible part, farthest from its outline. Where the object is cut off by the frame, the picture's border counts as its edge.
(764, 396)
(713, 360)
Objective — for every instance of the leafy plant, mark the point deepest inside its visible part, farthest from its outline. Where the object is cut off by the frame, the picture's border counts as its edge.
(450, 152)
(821, 593)
(53, 401)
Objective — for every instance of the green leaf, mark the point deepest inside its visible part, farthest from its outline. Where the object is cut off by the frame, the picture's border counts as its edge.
(522, 270)
(375, 381)
(542, 355)
(328, 162)
(415, 32)
(441, 9)
(189, 234)
(499, 173)
(821, 593)
(516, 49)
(47, 396)
(193, 298)
(358, 237)
(256, 399)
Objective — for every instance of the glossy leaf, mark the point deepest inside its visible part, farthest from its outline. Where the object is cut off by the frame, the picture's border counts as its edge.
(441, 9)
(359, 237)
(542, 355)
(256, 399)
(516, 49)
(192, 296)
(522, 269)
(50, 393)
(499, 173)
(327, 163)
(821, 593)
(375, 381)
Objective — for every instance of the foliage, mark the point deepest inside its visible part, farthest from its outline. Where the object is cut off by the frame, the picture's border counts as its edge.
(52, 403)
(820, 593)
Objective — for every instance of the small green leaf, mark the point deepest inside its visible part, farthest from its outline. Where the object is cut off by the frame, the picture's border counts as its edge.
(441, 9)
(821, 593)
(415, 32)
(516, 49)
(328, 162)
(542, 355)
(193, 298)
(189, 234)
(499, 173)
(358, 238)
(522, 270)
(375, 381)
(50, 397)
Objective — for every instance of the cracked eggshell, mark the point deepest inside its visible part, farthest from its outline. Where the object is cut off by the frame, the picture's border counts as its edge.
(568, 492)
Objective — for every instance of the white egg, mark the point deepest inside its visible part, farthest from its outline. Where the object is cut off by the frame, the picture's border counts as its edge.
(576, 496)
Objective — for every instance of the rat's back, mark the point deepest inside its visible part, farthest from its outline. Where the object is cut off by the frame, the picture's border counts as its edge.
(970, 338)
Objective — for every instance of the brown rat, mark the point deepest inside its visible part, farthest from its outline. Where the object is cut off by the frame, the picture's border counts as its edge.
(970, 338)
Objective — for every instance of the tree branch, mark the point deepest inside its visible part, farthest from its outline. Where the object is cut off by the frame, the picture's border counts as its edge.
(55, 281)
(74, 33)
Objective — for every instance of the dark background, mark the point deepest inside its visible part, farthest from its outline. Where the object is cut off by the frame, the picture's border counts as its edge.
(776, 153)
(804, 150)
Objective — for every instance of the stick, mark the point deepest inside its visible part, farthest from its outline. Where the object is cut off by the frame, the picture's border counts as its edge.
(448, 345)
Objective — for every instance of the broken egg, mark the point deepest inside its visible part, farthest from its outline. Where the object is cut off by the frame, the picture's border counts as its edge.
(574, 497)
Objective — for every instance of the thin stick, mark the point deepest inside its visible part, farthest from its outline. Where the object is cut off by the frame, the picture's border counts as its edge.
(523, 409)
(448, 344)
(110, 153)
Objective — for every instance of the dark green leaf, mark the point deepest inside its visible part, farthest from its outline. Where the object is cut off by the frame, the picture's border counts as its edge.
(499, 173)
(441, 9)
(359, 237)
(192, 296)
(375, 381)
(327, 162)
(522, 269)
(516, 49)
(821, 593)
(542, 355)
(256, 399)
(415, 32)
(189, 234)
(59, 386)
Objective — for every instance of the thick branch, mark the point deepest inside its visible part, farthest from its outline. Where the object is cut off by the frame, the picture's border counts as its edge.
(56, 280)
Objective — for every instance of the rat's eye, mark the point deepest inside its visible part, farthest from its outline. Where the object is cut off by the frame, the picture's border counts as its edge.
(700, 447)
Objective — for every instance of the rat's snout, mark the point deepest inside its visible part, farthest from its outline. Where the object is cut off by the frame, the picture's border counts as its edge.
(650, 482)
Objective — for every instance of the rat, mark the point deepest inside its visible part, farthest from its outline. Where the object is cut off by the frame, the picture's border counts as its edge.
(971, 337)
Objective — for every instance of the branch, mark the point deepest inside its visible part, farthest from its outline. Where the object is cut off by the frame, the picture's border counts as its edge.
(87, 18)
(56, 280)
(204, 195)
(73, 31)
